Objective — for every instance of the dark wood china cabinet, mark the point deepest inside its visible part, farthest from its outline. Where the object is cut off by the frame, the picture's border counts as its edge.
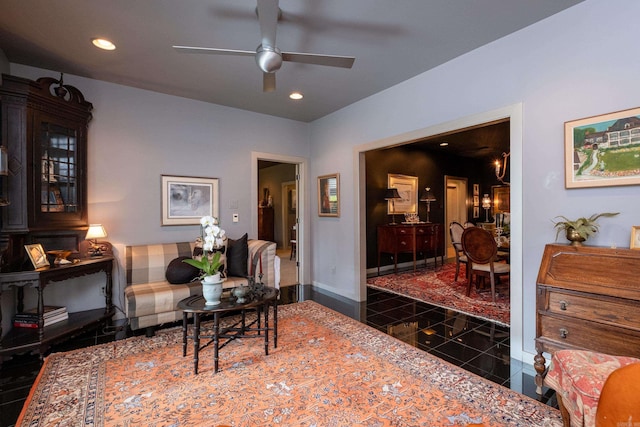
(44, 129)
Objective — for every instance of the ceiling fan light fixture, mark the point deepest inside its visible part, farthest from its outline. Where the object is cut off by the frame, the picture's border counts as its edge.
(103, 44)
(268, 59)
(296, 96)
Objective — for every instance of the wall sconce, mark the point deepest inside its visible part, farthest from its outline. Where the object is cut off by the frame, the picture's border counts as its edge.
(486, 205)
(95, 232)
(500, 174)
(391, 195)
(427, 196)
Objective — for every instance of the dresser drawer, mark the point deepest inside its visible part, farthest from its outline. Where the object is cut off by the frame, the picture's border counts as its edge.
(624, 313)
(589, 335)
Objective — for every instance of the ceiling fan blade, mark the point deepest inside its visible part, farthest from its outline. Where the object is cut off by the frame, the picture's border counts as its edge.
(318, 59)
(211, 50)
(268, 82)
(268, 17)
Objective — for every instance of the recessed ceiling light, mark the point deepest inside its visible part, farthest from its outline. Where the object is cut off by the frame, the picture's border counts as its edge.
(295, 95)
(103, 44)
(444, 144)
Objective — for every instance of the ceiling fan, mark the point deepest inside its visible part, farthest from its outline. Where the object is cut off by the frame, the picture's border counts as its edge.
(268, 57)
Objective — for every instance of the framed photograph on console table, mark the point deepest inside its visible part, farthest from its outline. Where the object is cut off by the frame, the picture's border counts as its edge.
(603, 151)
(36, 255)
(329, 195)
(407, 187)
(186, 199)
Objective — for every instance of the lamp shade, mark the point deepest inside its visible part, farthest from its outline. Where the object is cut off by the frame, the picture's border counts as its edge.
(96, 231)
(392, 193)
(486, 201)
(427, 195)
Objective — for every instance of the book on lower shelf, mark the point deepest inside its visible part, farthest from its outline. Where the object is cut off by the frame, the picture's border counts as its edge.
(29, 318)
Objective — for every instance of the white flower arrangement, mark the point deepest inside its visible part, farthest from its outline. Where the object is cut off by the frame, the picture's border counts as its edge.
(212, 238)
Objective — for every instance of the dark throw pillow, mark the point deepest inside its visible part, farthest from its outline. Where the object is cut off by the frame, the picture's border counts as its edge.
(237, 254)
(179, 272)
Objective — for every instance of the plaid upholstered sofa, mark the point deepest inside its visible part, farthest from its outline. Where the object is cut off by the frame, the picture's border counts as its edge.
(151, 300)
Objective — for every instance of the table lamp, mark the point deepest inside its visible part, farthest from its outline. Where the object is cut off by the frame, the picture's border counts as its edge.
(427, 196)
(95, 232)
(486, 205)
(391, 195)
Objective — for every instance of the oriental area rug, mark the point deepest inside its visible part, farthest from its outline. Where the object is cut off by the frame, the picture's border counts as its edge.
(439, 288)
(328, 370)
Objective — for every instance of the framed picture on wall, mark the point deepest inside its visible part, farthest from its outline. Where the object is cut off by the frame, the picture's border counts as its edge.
(407, 187)
(603, 150)
(635, 237)
(476, 211)
(476, 190)
(186, 199)
(329, 195)
(501, 199)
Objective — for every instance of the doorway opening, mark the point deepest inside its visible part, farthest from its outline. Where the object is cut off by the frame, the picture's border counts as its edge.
(456, 206)
(279, 197)
(511, 114)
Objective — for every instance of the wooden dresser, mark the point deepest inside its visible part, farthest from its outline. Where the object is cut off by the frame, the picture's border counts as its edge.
(587, 298)
(425, 238)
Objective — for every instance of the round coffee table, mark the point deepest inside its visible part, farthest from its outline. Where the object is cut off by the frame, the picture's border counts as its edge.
(240, 329)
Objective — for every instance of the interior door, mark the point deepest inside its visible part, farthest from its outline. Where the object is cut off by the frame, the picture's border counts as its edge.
(455, 205)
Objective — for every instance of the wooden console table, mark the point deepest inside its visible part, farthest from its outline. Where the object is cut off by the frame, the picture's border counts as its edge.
(19, 340)
(587, 298)
(410, 238)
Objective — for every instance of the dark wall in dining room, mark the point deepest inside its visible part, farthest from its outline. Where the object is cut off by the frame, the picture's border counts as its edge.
(430, 168)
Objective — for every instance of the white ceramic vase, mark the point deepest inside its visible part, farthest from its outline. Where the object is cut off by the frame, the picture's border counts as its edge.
(212, 289)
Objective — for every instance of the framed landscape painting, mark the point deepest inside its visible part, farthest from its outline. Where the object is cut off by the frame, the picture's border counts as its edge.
(603, 150)
(186, 199)
(407, 187)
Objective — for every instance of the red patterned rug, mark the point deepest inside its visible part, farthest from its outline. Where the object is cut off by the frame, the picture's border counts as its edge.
(439, 288)
(328, 370)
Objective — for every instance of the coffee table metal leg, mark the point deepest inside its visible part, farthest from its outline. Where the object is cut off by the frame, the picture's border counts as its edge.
(275, 324)
(259, 313)
(184, 334)
(216, 337)
(196, 341)
(266, 328)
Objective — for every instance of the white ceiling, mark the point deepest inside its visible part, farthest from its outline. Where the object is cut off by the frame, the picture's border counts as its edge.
(391, 41)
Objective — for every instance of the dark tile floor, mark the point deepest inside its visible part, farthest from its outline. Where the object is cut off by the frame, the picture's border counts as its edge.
(473, 344)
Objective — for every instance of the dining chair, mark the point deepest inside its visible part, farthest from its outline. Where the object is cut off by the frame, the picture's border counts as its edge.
(481, 250)
(455, 231)
(293, 242)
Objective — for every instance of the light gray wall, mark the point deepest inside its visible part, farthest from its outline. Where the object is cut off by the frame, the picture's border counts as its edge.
(575, 64)
(135, 137)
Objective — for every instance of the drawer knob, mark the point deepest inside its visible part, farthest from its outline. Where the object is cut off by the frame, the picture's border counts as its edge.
(563, 305)
(563, 333)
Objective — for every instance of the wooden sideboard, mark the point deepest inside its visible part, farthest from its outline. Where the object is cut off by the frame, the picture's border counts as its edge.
(19, 340)
(424, 238)
(587, 298)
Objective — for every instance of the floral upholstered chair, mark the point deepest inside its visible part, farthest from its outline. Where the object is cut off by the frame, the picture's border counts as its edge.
(578, 377)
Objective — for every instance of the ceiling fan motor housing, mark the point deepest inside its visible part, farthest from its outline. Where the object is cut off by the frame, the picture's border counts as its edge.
(268, 59)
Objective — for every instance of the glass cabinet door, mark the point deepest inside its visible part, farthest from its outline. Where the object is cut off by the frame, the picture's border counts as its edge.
(59, 160)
